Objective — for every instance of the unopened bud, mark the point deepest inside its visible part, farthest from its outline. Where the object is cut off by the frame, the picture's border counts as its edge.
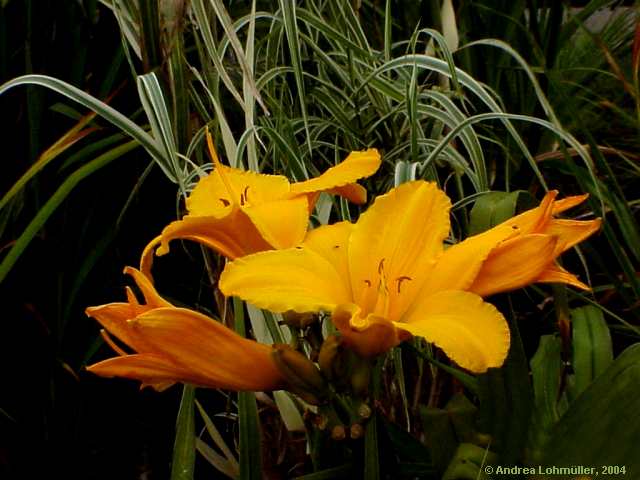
(360, 377)
(302, 376)
(356, 431)
(364, 410)
(338, 432)
(329, 355)
(300, 320)
(321, 422)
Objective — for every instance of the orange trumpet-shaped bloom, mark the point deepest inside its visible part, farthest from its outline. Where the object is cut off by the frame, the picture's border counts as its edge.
(527, 257)
(174, 344)
(388, 276)
(237, 212)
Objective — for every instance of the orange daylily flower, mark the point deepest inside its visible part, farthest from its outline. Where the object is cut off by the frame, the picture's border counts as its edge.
(528, 257)
(388, 276)
(174, 344)
(237, 212)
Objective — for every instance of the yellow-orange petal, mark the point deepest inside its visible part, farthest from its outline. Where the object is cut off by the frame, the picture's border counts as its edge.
(211, 196)
(353, 192)
(368, 336)
(357, 165)
(566, 203)
(148, 254)
(556, 274)
(151, 296)
(398, 240)
(114, 318)
(332, 243)
(209, 350)
(471, 332)
(514, 264)
(460, 264)
(282, 223)
(571, 232)
(297, 279)
(534, 220)
(232, 236)
(152, 370)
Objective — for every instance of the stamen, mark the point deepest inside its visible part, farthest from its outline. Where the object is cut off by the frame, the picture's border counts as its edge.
(368, 282)
(225, 202)
(112, 344)
(218, 165)
(336, 246)
(381, 267)
(400, 280)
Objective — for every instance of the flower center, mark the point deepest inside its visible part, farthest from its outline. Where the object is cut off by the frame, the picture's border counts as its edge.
(377, 298)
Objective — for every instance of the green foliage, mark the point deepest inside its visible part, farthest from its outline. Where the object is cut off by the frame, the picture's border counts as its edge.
(184, 448)
(600, 414)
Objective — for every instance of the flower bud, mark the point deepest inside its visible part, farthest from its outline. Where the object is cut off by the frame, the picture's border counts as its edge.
(338, 432)
(329, 358)
(302, 376)
(356, 431)
(300, 320)
(360, 376)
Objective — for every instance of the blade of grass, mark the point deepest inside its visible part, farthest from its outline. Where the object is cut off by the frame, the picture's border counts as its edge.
(54, 202)
(249, 421)
(102, 109)
(288, 10)
(184, 447)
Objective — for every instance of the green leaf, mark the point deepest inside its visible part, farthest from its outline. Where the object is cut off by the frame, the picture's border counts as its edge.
(248, 419)
(288, 10)
(250, 445)
(54, 202)
(467, 463)
(405, 446)
(602, 426)
(491, 209)
(336, 473)
(101, 108)
(440, 436)
(506, 401)
(155, 106)
(371, 450)
(184, 447)
(469, 381)
(546, 368)
(592, 349)
(247, 70)
(404, 172)
(288, 411)
(228, 462)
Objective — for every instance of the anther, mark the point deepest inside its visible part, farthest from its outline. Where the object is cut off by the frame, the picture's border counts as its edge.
(400, 280)
(368, 282)
(224, 201)
(381, 266)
